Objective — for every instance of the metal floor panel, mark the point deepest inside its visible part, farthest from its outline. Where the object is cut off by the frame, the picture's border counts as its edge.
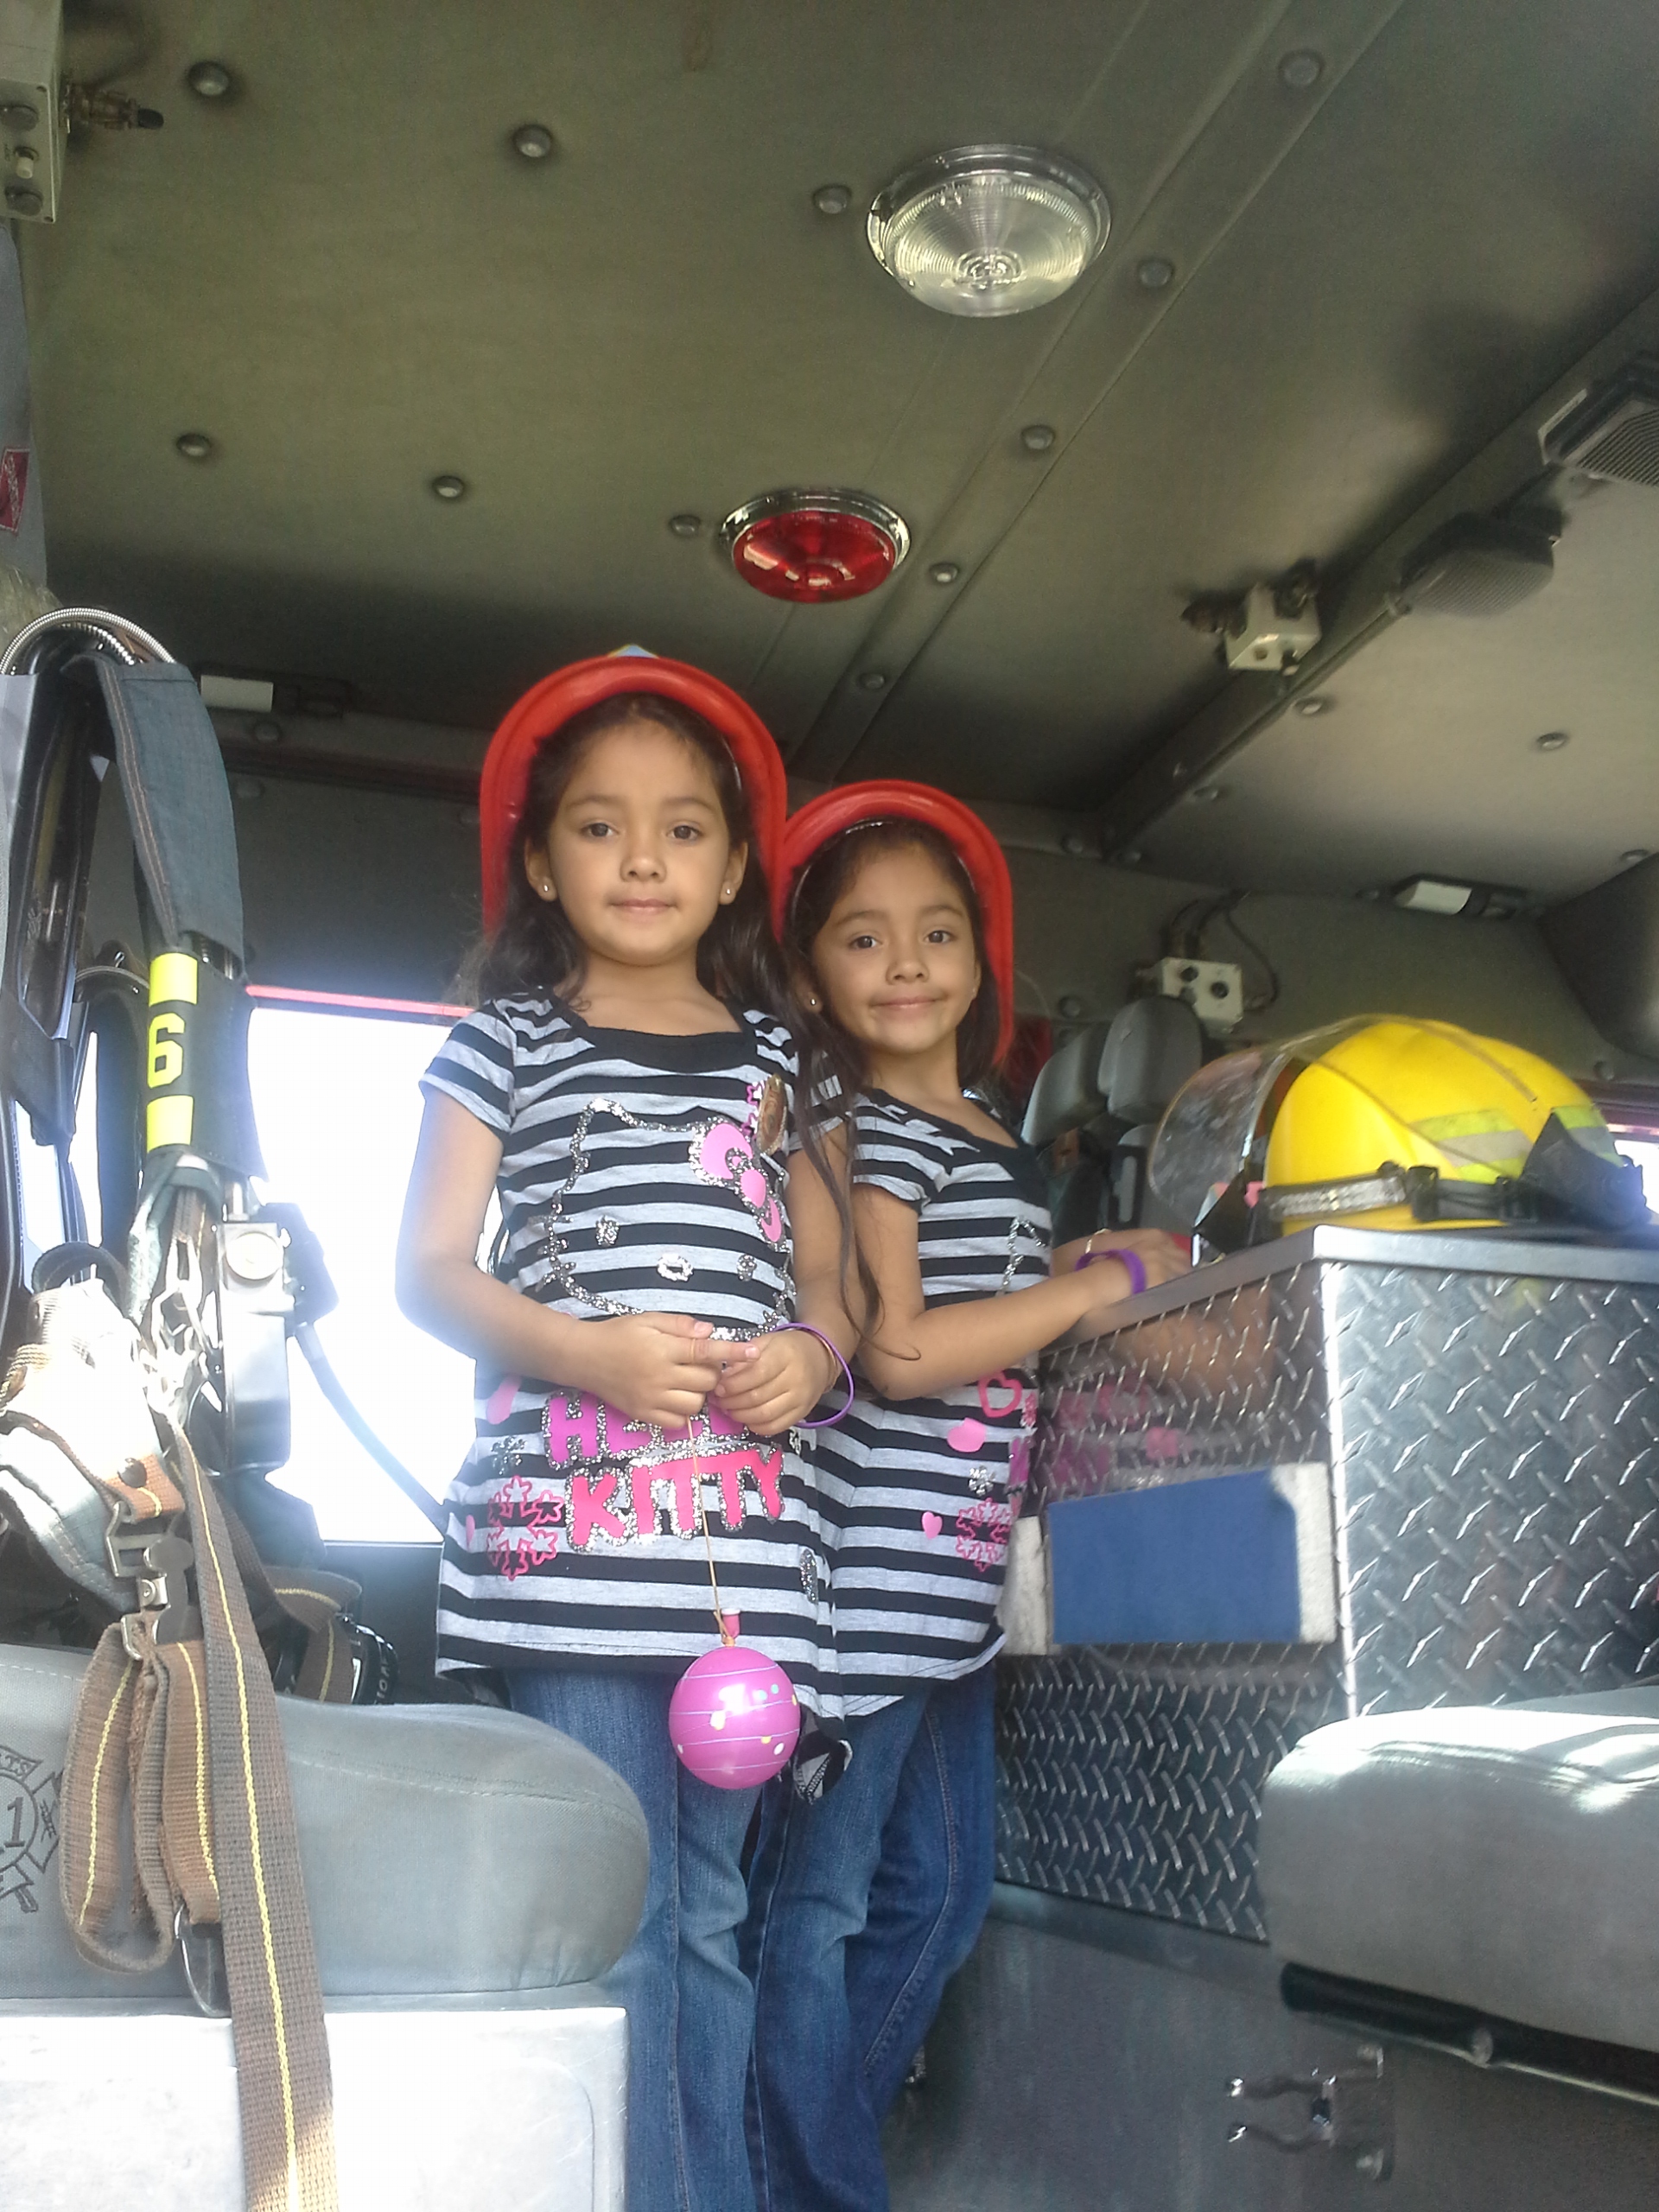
(1087, 2070)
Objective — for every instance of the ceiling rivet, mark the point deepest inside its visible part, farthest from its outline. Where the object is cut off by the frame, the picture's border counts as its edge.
(449, 487)
(832, 198)
(685, 525)
(1070, 1006)
(1076, 844)
(194, 445)
(1552, 740)
(1635, 853)
(1037, 437)
(1301, 70)
(945, 572)
(1205, 794)
(1131, 857)
(873, 680)
(1156, 272)
(208, 80)
(266, 729)
(1315, 703)
(532, 142)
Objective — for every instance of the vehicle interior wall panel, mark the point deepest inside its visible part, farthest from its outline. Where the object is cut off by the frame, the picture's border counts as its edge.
(1607, 944)
(1087, 2071)
(361, 891)
(342, 890)
(1084, 929)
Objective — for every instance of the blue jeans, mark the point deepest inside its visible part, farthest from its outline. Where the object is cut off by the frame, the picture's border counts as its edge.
(859, 1908)
(929, 1898)
(691, 2010)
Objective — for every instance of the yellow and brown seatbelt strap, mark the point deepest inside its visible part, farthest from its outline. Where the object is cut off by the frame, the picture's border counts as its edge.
(214, 1833)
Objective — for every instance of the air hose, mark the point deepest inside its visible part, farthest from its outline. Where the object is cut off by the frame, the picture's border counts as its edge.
(334, 1390)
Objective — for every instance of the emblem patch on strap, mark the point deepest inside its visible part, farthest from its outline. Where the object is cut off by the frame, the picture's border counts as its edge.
(28, 1826)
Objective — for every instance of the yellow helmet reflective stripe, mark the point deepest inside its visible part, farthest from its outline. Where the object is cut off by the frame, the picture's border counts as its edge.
(1419, 1094)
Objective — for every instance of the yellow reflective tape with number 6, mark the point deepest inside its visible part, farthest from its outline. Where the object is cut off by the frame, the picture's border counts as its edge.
(173, 982)
(166, 1059)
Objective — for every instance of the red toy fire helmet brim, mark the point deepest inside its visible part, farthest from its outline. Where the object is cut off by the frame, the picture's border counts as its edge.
(825, 817)
(547, 706)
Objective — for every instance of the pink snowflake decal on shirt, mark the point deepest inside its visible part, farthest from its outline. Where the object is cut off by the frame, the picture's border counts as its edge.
(982, 1533)
(523, 1526)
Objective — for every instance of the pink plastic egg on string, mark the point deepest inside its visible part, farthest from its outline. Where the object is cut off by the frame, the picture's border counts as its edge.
(734, 1717)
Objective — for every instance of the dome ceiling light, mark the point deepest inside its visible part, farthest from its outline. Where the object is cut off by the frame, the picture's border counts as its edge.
(808, 546)
(988, 230)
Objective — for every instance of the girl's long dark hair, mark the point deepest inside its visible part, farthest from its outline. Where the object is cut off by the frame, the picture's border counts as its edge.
(533, 952)
(834, 1067)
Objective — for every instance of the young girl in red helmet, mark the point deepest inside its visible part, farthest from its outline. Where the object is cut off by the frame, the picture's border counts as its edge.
(896, 918)
(645, 1336)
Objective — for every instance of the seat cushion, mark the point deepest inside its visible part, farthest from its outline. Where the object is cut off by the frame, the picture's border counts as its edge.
(1499, 1857)
(445, 1848)
(1066, 1093)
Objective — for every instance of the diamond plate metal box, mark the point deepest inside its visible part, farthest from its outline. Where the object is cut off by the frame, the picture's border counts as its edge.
(1490, 1413)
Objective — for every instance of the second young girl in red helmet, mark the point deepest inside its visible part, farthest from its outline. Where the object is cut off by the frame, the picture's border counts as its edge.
(896, 918)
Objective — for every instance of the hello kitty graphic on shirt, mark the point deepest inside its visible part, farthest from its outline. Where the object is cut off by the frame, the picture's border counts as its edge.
(604, 1480)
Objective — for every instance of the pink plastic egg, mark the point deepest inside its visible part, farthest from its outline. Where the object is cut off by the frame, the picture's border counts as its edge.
(734, 1717)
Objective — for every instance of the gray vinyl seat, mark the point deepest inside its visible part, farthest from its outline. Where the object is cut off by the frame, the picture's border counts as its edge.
(1153, 1048)
(1502, 1858)
(1066, 1094)
(445, 1849)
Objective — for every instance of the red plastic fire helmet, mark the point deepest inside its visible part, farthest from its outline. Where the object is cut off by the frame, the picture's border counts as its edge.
(809, 830)
(546, 706)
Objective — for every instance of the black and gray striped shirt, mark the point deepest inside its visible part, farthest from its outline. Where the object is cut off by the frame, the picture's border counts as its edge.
(639, 1173)
(919, 1496)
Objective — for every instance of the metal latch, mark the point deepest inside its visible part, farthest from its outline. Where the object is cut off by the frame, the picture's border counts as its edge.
(1349, 2110)
(157, 1564)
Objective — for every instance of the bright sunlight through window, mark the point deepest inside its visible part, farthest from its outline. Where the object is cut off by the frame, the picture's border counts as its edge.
(339, 1111)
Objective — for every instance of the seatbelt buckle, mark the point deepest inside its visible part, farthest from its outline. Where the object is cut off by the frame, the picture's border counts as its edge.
(157, 1564)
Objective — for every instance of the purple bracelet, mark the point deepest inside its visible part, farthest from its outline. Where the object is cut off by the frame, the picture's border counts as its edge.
(1133, 1266)
(831, 1346)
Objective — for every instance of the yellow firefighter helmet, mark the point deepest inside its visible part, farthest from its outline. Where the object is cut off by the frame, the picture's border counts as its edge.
(1389, 1122)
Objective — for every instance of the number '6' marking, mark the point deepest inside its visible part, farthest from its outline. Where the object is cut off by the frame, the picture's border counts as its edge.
(166, 1059)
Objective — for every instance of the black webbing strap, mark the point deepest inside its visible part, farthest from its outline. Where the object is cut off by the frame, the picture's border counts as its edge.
(178, 801)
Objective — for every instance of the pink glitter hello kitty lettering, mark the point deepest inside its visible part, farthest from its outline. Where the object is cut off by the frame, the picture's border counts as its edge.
(644, 1483)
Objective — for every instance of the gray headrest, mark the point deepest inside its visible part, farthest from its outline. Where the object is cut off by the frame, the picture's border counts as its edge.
(1151, 1047)
(1066, 1093)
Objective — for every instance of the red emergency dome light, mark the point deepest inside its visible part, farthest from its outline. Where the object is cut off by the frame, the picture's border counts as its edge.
(815, 546)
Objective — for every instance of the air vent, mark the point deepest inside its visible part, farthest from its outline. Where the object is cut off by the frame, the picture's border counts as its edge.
(1476, 565)
(1613, 430)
